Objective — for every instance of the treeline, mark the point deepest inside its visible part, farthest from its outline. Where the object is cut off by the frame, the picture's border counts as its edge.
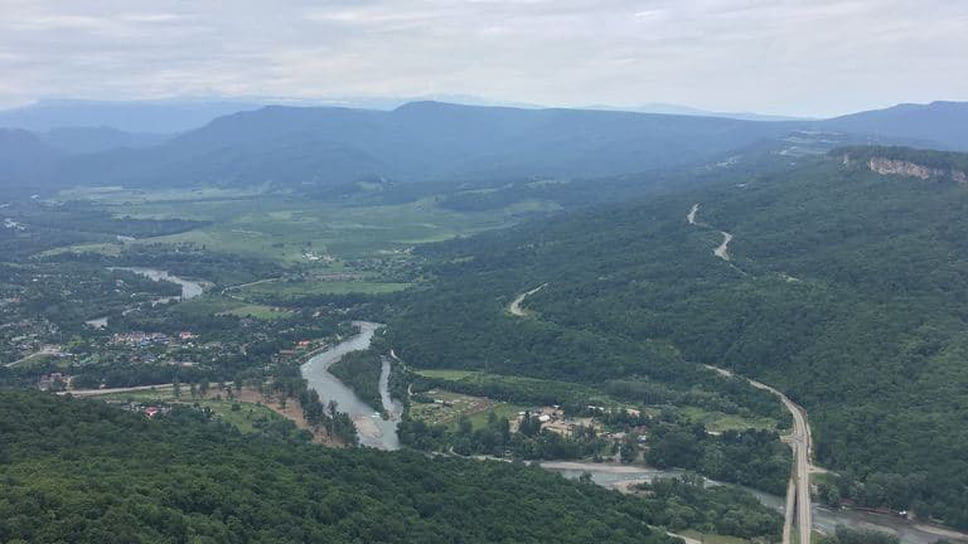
(360, 371)
(475, 333)
(67, 464)
(720, 509)
(288, 381)
(529, 441)
(847, 535)
(48, 225)
(754, 458)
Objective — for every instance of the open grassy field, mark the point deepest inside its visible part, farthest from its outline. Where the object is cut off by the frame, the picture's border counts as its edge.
(242, 415)
(719, 422)
(445, 374)
(41, 359)
(337, 287)
(209, 304)
(259, 311)
(526, 389)
(213, 303)
(290, 229)
(113, 195)
(713, 421)
(332, 246)
(450, 407)
(500, 409)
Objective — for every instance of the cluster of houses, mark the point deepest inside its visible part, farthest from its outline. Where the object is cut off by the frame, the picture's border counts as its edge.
(55, 381)
(144, 339)
(149, 410)
(9, 223)
(139, 338)
(300, 348)
(554, 419)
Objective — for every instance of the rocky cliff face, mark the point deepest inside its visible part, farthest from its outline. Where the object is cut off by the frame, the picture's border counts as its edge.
(896, 167)
(885, 166)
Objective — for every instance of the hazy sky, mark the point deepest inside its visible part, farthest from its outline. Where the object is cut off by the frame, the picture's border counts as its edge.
(815, 57)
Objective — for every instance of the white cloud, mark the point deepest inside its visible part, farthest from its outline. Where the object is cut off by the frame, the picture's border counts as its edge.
(805, 56)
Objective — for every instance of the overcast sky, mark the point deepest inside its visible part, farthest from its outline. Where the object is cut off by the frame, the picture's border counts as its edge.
(811, 57)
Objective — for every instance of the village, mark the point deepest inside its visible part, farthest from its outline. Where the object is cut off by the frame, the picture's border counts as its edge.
(601, 432)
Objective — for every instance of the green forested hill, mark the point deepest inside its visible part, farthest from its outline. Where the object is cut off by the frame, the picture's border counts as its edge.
(847, 289)
(82, 471)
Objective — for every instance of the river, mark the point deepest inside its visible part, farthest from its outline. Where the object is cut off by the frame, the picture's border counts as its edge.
(373, 430)
(189, 289)
(621, 477)
(376, 432)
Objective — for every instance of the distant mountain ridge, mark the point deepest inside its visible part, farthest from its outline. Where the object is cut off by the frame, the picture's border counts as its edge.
(81, 140)
(942, 123)
(423, 140)
(314, 146)
(677, 109)
(149, 116)
(23, 156)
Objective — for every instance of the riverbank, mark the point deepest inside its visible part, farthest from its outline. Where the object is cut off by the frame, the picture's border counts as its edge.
(373, 430)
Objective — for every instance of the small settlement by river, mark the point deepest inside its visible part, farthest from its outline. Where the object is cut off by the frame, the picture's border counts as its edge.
(376, 432)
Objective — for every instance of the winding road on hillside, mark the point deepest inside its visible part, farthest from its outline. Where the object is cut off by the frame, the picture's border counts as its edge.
(225, 291)
(723, 250)
(44, 351)
(798, 491)
(800, 441)
(515, 307)
(691, 216)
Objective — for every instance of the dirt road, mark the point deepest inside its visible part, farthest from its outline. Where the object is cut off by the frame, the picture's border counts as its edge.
(225, 291)
(108, 391)
(515, 307)
(691, 216)
(46, 350)
(722, 250)
(800, 441)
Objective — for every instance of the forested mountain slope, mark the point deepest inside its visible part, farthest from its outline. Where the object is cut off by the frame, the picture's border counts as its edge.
(940, 124)
(419, 141)
(23, 156)
(77, 140)
(845, 287)
(310, 147)
(81, 471)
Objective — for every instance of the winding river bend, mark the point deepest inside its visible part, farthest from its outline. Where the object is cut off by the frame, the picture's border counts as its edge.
(373, 430)
(376, 432)
(189, 289)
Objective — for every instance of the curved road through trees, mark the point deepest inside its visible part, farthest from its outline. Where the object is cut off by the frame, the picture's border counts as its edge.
(800, 440)
(515, 307)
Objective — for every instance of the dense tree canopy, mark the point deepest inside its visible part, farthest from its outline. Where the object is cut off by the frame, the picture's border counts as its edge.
(82, 471)
(845, 288)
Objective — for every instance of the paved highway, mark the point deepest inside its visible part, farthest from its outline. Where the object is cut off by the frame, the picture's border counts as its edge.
(799, 488)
